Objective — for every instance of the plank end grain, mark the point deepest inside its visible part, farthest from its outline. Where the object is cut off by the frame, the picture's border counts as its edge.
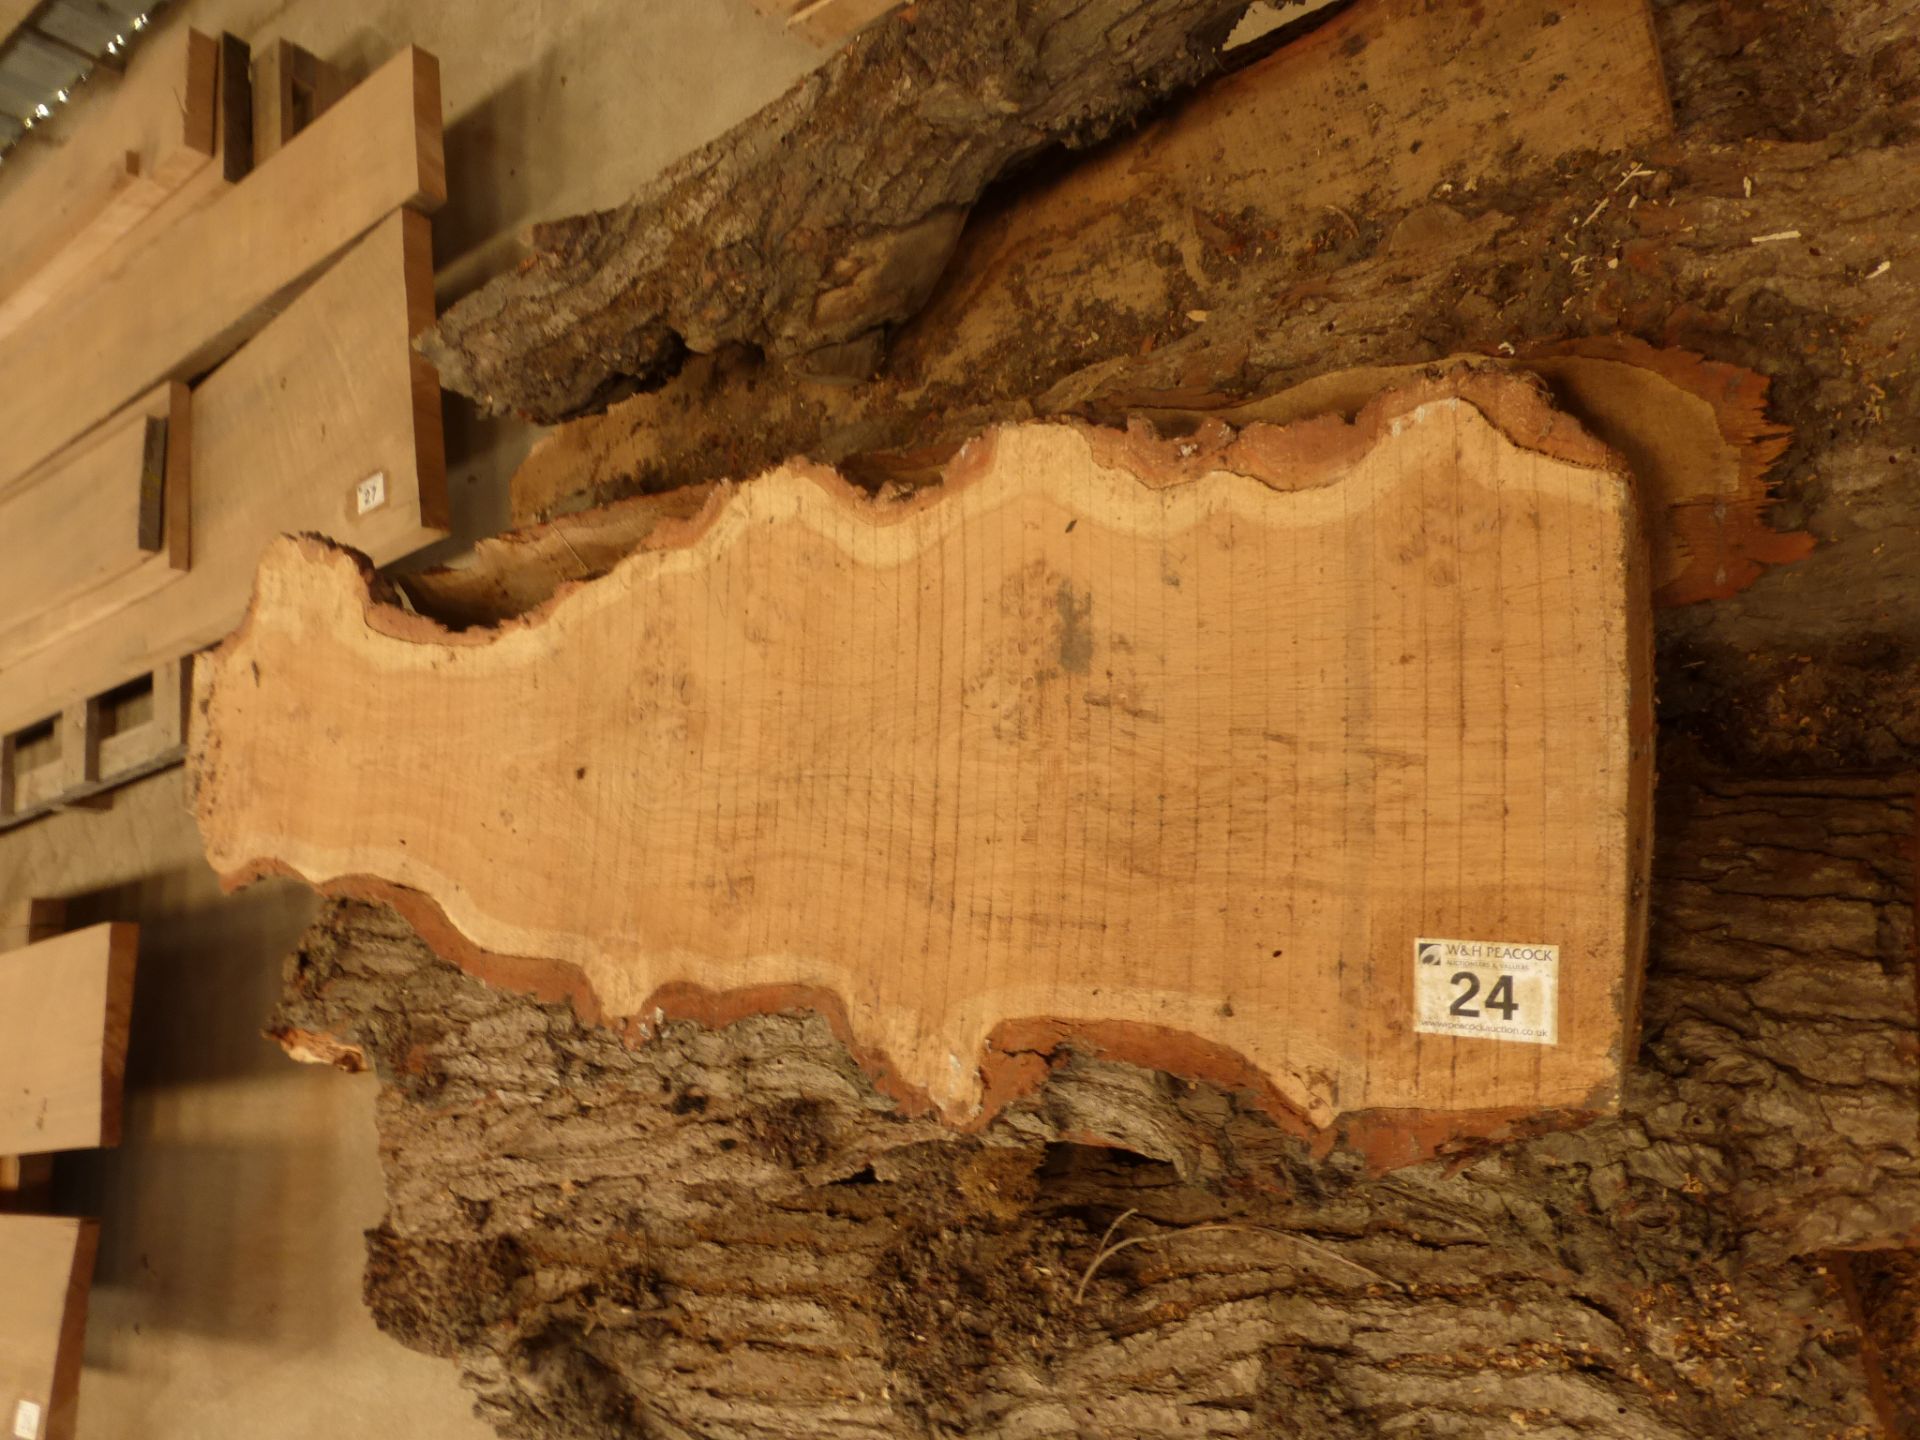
(1183, 752)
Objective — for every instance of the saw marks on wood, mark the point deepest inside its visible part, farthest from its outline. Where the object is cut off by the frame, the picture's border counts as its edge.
(1170, 753)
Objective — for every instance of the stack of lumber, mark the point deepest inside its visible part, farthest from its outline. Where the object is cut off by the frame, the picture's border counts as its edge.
(65, 1005)
(206, 316)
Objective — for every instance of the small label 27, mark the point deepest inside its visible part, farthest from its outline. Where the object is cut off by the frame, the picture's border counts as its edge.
(1487, 989)
(370, 493)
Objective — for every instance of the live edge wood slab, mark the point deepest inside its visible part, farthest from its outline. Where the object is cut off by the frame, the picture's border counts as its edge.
(1173, 750)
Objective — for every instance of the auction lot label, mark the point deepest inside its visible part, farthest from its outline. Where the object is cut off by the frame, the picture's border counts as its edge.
(1487, 990)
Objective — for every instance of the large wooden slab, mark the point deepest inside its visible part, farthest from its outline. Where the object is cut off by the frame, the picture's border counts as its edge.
(47, 1265)
(72, 548)
(65, 1004)
(327, 395)
(213, 278)
(1176, 750)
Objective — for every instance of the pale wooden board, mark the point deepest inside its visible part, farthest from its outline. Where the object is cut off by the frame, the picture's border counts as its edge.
(65, 1004)
(203, 285)
(292, 87)
(1172, 750)
(68, 200)
(69, 533)
(327, 394)
(47, 1264)
(122, 198)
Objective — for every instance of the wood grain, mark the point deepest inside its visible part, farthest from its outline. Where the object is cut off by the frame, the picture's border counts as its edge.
(120, 199)
(1387, 105)
(1174, 749)
(48, 1265)
(65, 1004)
(209, 281)
(1655, 1275)
(70, 552)
(327, 394)
(1695, 434)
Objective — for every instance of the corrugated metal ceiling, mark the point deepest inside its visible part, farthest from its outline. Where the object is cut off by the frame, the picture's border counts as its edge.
(54, 51)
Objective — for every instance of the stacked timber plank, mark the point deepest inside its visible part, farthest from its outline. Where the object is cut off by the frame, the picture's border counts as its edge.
(65, 1007)
(48, 1262)
(212, 349)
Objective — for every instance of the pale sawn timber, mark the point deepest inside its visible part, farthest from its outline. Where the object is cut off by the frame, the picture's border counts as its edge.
(328, 394)
(48, 1264)
(1177, 751)
(66, 1003)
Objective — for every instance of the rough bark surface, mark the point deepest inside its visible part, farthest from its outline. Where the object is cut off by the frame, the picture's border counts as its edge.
(729, 1233)
(1794, 120)
(830, 214)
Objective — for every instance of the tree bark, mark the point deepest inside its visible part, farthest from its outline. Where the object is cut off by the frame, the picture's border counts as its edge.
(728, 1232)
(831, 213)
(1793, 120)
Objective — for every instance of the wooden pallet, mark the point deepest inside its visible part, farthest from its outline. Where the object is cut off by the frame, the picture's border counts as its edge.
(75, 759)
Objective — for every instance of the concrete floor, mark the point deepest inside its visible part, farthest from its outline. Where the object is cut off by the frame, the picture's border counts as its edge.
(227, 1299)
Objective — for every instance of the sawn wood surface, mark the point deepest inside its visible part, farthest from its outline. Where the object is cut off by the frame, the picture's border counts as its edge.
(1176, 751)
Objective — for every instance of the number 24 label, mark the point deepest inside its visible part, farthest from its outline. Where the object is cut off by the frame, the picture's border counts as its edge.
(1487, 990)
